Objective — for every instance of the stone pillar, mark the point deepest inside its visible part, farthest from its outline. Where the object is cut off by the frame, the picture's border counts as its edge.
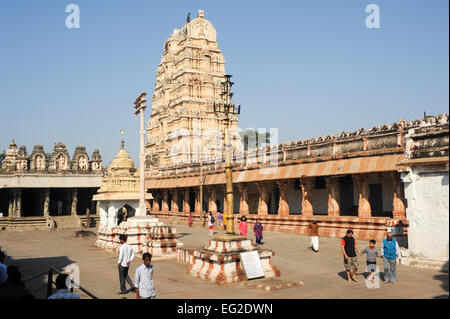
(46, 210)
(156, 197)
(18, 203)
(243, 199)
(306, 185)
(97, 208)
(198, 205)
(364, 210)
(212, 199)
(263, 198)
(165, 201)
(73, 210)
(399, 211)
(186, 198)
(11, 203)
(333, 195)
(283, 207)
(174, 205)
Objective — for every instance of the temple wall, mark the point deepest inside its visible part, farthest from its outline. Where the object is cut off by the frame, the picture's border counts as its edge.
(427, 194)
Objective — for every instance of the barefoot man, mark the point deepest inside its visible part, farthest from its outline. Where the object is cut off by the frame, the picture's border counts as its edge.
(350, 251)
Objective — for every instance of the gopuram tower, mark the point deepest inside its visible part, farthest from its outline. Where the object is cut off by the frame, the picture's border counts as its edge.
(183, 127)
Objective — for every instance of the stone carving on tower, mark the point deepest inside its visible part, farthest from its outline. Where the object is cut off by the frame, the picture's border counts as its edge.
(22, 159)
(80, 159)
(183, 127)
(59, 160)
(96, 161)
(10, 160)
(37, 159)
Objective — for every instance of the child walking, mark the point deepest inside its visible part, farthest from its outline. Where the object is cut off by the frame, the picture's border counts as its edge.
(371, 258)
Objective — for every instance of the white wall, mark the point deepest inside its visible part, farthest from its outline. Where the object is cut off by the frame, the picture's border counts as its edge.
(427, 191)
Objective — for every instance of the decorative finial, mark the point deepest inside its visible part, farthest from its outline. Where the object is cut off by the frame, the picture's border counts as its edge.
(201, 14)
(188, 19)
(122, 142)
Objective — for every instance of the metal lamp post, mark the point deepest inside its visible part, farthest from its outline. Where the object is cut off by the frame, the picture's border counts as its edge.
(140, 107)
(227, 107)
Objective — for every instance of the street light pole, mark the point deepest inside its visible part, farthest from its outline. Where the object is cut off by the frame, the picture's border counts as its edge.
(228, 108)
(140, 106)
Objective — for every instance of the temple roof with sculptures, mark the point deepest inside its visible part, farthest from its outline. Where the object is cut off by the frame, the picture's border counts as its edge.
(16, 160)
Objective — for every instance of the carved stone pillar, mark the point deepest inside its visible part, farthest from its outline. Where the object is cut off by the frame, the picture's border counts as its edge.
(283, 207)
(186, 198)
(11, 202)
(212, 199)
(174, 205)
(243, 199)
(198, 205)
(165, 201)
(364, 209)
(18, 203)
(263, 198)
(46, 210)
(399, 210)
(156, 196)
(306, 185)
(73, 210)
(333, 196)
(97, 208)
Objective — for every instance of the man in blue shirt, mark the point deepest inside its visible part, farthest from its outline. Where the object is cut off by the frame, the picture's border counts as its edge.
(3, 268)
(390, 251)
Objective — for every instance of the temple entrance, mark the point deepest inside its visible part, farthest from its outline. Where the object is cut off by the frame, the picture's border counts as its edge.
(84, 202)
(125, 212)
(376, 200)
(346, 205)
(192, 199)
(32, 205)
(60, 201)
(274, 201)
(180, 201)
(169, 201)
(4, 201)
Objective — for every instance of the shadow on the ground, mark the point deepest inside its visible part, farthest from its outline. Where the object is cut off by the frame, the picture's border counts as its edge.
(33, 266)
(443, 277)
(181, 235)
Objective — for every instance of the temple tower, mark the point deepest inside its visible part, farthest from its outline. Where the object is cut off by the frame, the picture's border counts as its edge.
(183, 127)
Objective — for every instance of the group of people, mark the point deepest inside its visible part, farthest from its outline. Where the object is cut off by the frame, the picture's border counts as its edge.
(12, 286)
(242, 226)
(389, 251)
(143, 278)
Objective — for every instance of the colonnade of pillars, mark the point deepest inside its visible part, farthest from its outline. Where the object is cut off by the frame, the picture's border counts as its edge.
(15, 202)
(306, 186)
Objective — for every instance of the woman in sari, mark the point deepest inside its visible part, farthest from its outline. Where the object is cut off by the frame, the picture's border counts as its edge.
(258, 229)
(243, 226)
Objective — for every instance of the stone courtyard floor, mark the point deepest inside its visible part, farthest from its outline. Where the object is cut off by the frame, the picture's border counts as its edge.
(322, 273)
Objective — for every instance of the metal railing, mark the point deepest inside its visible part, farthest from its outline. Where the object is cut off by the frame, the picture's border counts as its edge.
(50, 272)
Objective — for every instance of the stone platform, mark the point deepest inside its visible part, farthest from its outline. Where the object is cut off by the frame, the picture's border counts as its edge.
(219, 261)
(144, 234)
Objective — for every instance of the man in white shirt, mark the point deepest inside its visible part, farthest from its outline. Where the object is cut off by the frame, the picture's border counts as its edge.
(126, 255)
(143, 279)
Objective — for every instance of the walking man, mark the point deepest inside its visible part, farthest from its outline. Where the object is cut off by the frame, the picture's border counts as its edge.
(126, 255)
(350, 250)
(313, 231)
(390, 251)
(143, 279)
